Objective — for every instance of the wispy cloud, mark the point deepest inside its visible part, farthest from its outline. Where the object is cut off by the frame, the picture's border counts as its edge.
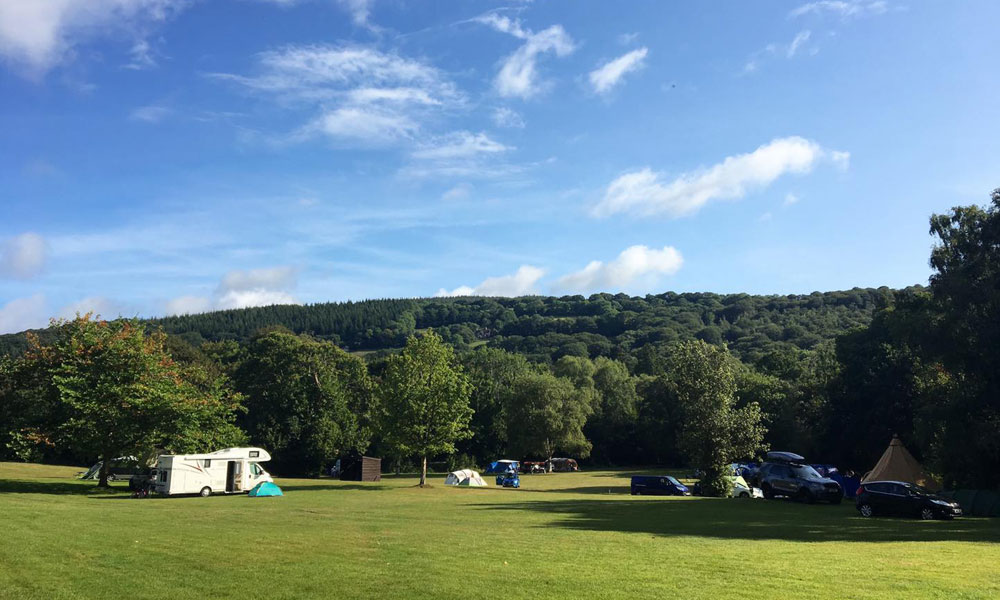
(788, 51)
(23, 256)
(521, 283)
(37, 35)
(154, 113)
(518, 75)
(507, 117)
(459, 145)
(842, 8)
(645, 192)
(634, 264)
(604, 78)
(363, 96)
(790, 199)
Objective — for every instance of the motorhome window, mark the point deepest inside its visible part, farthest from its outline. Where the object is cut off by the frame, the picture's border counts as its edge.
(208, 462)
(256, 470)
(163, 475)
(254, 454)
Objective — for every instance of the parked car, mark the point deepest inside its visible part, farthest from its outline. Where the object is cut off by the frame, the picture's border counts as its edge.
(796, 480)
(903, 499)
(658, 485)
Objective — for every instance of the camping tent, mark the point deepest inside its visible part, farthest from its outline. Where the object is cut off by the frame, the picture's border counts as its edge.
(897, 464)
(466, 477)
(265, 488)
(503, 466)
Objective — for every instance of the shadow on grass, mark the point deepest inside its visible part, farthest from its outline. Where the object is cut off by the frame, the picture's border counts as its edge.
(331, 487)
(606, 490)
(750, 520)
(78, 488)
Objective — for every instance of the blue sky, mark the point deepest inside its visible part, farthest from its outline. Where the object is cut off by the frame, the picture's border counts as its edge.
(163, 156)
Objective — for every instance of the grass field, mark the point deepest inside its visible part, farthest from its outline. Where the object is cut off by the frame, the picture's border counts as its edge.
(560, 536)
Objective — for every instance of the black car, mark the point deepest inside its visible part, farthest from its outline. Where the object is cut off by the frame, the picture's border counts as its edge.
(795, 480)
(903, 499)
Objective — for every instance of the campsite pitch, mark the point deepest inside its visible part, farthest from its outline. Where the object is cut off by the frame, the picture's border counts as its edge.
(566, 535)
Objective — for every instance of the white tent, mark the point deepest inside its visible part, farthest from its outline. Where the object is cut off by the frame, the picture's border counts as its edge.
(465, 477)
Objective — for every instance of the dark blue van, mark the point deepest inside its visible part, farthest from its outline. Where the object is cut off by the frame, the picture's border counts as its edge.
(658, 485)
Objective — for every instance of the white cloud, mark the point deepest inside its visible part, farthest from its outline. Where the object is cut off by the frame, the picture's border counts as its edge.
(23, 256)
(521, 283)
(842, 8)
(360, 11)
(367, 124)
(518, 75)
(37, 35)
(459, 154)
(634, 264)
(607, 76)
(788, 51)
(150, 114)
(801, 38)
(644, 192)
(99, 306)
(460, 144)
(627, 38)
(248, 298)
(790, 199)
(506, 117)
(23, 313)
(764, 218)
(458, 192)
(188, 305)
(362, 95)
(242, 289)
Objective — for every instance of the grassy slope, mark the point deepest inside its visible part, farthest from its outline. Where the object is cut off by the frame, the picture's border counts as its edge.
(561, 535)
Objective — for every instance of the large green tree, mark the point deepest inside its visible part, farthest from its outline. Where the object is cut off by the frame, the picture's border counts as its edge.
(492, 373)
(714, 432)
(308, 401)
(111, 389)
(965, 286)
(425, 400)
(547, 414)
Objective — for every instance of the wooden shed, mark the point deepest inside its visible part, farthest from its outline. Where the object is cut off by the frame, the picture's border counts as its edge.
(360, 468)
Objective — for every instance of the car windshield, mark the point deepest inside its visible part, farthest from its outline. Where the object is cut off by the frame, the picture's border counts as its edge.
(805, 472)
(672, 480)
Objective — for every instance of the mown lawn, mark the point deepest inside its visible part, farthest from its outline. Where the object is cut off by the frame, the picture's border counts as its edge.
(560, 536)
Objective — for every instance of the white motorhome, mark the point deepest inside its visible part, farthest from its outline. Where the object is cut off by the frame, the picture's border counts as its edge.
(229, 471)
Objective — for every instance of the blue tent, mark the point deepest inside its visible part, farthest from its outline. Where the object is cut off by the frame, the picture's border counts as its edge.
(503, 466)
(265, 488)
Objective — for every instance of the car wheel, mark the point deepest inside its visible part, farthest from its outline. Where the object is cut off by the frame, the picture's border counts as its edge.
(805, 496)
(205, 492)
(744, 495)
(926, 514)
(768, 492)
(866, 510)
(111, 477)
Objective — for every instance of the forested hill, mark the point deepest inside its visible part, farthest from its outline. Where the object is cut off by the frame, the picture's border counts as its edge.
(546, 328)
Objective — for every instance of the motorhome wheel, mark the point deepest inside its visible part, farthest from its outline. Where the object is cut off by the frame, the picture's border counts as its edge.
(206, 492)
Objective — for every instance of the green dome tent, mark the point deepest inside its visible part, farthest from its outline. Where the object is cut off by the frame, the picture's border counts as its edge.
(265, 488)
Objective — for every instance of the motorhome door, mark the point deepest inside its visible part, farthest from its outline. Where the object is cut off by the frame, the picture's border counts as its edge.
(234, 476)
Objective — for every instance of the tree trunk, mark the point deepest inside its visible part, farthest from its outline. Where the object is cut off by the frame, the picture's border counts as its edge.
(423, 472)
(105, 467)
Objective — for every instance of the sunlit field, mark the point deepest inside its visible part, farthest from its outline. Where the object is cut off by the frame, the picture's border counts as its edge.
(560, 536)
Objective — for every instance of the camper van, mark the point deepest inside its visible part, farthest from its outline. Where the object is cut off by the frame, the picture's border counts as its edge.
(229, 471)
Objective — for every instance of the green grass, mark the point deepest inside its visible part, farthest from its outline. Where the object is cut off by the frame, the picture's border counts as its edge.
(560, 536)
